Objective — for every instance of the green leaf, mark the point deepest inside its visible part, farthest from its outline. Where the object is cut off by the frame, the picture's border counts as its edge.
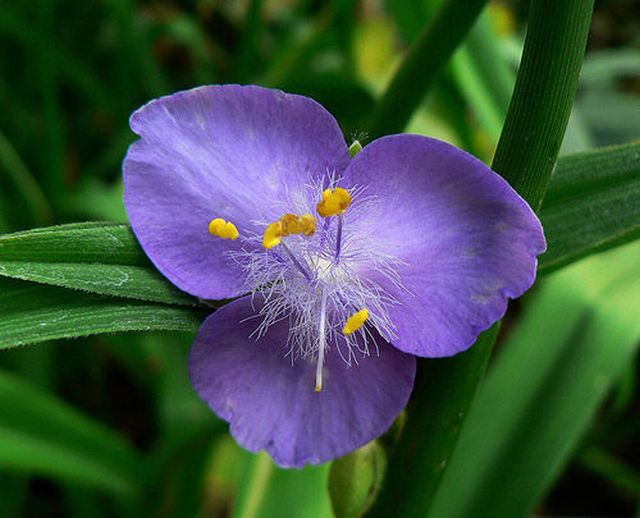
(593, 203)
(39, 434)
(34, 313)
(431, 50)
(109, 243)
(482, 74)
(613, 117)
(576, 337)
(622, 476)
(602, 68)
(102, 258)
(136, 282)
(17, 172)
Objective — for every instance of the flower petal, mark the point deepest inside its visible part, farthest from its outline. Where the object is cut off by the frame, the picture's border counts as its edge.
(231, 152)
(467, 240)
(271, 404)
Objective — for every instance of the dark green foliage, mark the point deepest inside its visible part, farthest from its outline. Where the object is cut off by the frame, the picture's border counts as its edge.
(592, 204)
(33, 313)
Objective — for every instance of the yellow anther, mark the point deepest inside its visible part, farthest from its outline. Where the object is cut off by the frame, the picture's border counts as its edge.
(273, 235)
(224, 229)
(309, 223)
(293, 224)
(356, 321)
(334, 202)
(287, 225)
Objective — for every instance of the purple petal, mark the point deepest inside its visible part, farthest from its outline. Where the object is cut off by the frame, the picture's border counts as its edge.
(467, 240)
(220, 151)
(271, 404)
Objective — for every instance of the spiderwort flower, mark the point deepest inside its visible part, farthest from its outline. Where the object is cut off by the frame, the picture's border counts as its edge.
(342, 270)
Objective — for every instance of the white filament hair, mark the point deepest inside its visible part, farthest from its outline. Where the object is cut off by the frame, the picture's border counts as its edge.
(281, 292)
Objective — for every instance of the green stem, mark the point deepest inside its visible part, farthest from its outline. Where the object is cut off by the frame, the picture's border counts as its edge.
(543, 95)
(421, 66)
(442, 395)
(527, 151)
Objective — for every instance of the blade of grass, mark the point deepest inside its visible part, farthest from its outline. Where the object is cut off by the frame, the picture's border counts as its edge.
(579, 332)
(482, 74)
(624, 477)
(422, 64)
(27, 186)
(90, 242)
(137, 48)
(54, 137)
(255, 487)
(132, 282)
(266, 490)
(41, 434)
(33, 313)
(592, 204)
(91, 257)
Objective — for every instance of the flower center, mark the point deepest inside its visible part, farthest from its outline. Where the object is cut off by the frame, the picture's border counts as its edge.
(310, 274)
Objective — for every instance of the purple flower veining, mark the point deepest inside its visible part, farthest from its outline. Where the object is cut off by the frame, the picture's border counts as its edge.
(343, 270)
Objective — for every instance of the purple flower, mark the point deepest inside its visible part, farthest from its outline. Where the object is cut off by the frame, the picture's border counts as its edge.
(343, 270)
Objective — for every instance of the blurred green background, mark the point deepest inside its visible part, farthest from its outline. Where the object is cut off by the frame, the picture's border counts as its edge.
(110, 426)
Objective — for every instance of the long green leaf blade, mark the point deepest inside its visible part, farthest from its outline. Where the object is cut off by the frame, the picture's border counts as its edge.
(440, 37)
(137, 282)
(28, 187)
(102, 258)
(40, 434)
(584, 329)
(23, 452)
(33, 313)
(110, 243)
(593, 203)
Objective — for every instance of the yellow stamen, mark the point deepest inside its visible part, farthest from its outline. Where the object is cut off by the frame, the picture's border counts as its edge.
(356, 321)
(287, 225)
(334, 202)
(224, 229)
(309, 223)
(293, 224)
(273, 235)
